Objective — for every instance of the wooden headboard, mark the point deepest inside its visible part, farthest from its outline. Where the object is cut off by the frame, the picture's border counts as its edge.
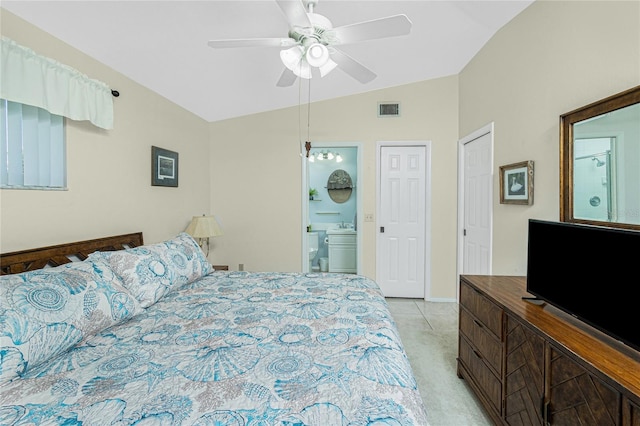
(38, 258)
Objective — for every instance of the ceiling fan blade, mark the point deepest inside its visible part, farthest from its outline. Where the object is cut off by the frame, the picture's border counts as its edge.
(295, 12)
(352, 67)
(252, 42)
(287, 78)
(390, 26)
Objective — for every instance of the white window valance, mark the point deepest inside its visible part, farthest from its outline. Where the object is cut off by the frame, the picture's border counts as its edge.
(32, 79)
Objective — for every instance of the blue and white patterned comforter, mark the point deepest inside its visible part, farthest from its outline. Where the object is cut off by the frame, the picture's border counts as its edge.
(233, 348)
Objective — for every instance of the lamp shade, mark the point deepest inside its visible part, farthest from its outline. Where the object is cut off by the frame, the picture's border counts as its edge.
(303, 70)
(317, 55)
(327, 67)
(204, 227)
(291, 57)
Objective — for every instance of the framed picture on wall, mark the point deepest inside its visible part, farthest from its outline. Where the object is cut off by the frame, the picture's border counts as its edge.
(516, 183)
(164, 167)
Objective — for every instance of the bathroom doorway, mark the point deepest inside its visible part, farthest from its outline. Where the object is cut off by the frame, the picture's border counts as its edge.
(331, 204)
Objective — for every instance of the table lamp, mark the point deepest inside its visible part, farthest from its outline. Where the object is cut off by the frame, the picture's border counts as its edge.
(202, 228)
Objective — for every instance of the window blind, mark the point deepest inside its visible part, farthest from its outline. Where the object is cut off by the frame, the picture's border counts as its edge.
(32, 147)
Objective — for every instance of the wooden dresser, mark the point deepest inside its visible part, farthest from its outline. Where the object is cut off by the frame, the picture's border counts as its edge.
(534, 364)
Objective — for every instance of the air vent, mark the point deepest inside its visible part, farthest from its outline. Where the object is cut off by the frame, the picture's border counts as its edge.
(388, 109)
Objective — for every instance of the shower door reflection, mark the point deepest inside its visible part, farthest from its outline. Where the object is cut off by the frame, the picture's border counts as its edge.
(594, 179)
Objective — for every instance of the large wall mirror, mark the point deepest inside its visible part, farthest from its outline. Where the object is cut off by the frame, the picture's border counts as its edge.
(600, 162)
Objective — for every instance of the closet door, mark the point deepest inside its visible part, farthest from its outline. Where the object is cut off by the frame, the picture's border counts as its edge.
(402, 221)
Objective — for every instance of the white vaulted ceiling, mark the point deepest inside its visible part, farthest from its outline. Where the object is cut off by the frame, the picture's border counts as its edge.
(162, 45)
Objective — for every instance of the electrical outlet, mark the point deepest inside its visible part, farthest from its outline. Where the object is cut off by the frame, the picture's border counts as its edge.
(368, 217)
(240, 266)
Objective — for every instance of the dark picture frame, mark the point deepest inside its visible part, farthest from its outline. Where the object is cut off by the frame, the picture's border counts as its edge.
(516, 183)
(164, 167)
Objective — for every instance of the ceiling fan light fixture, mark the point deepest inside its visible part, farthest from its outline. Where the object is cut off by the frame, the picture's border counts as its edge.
(317, 55)
(327, 68)
(302, 70)
(291, 57)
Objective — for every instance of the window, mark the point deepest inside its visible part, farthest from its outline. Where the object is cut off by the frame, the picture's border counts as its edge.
(32, 148)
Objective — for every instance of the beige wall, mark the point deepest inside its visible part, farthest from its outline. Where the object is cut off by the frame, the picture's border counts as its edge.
(552, 58)
(543, 63)
(109, 172)
(256, 174)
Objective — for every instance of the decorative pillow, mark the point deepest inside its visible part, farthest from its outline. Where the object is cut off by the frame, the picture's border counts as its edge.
(151, 271)
(46, 312)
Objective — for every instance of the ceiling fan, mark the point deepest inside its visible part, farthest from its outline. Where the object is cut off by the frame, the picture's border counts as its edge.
(312, 41)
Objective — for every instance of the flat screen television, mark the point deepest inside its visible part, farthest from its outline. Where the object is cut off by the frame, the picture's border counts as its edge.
(590, 272)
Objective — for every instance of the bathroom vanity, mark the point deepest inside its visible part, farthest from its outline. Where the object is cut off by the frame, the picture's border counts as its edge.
(343, 250)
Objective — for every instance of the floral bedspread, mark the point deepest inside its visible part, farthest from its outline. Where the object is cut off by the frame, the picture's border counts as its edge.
(233, 348)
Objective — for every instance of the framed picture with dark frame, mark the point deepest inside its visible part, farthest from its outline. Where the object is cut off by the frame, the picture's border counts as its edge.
(516, 183)
(164, 167)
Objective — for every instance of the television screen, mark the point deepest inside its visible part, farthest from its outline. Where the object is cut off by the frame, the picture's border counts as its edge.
(590, 272)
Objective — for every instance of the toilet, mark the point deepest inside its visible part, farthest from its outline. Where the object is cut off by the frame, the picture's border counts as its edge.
(312, 243)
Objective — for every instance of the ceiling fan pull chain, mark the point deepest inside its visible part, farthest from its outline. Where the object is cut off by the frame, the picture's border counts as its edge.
(309, 112)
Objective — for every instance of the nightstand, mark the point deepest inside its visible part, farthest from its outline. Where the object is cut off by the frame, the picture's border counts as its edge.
(221, 267)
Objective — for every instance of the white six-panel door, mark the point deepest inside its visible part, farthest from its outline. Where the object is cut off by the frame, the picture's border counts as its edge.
(478, 181)
(401, 222)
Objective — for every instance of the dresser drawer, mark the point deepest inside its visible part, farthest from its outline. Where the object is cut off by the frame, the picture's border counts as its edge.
(485, 342)
(488, 313)
(490, 385)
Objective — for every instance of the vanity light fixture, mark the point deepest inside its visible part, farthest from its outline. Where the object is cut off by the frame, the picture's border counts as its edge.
(325, 155)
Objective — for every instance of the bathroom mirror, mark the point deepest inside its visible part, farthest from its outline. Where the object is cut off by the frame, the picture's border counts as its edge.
(339, 186)
(600, 162)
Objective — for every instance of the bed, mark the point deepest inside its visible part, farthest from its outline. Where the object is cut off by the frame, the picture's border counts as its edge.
(139, 334)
